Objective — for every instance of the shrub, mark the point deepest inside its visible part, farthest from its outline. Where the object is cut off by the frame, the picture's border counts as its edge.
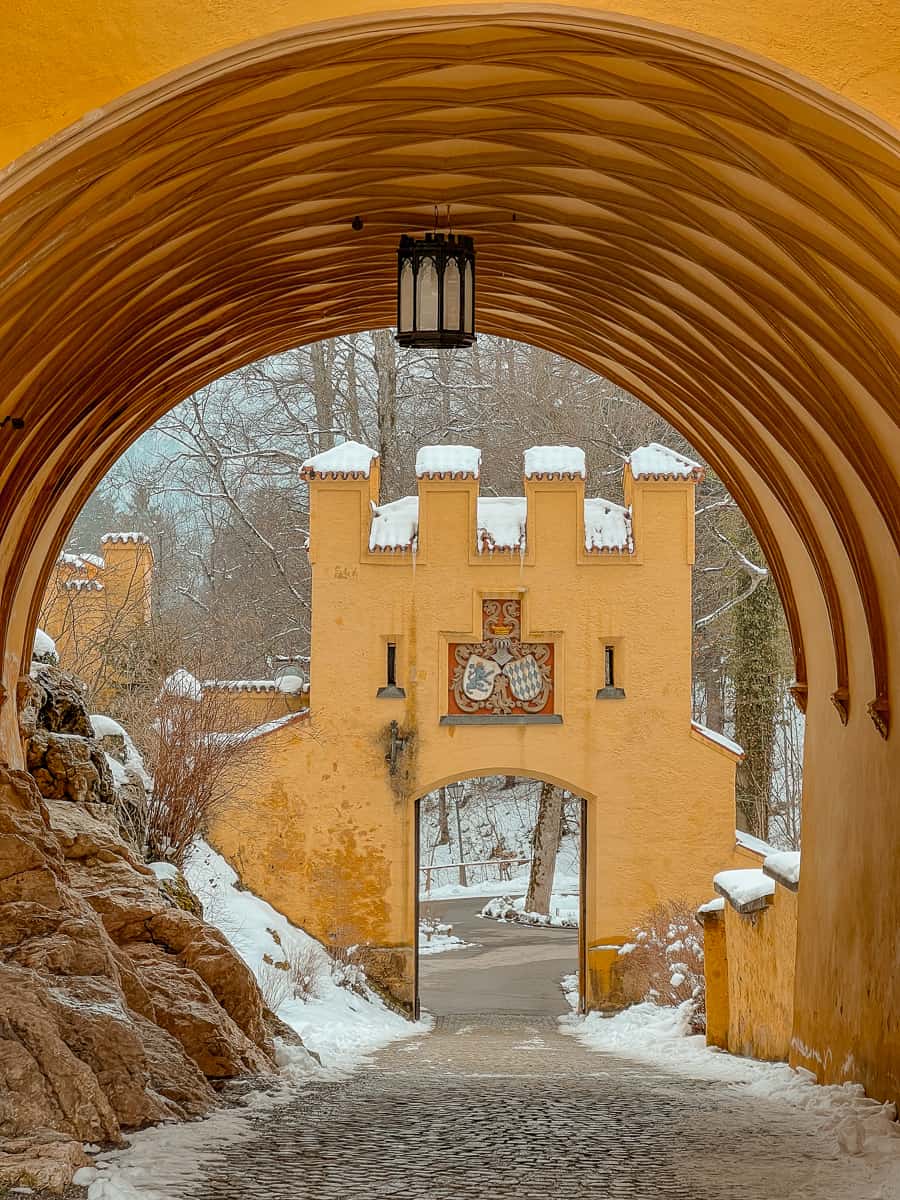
(664, 963)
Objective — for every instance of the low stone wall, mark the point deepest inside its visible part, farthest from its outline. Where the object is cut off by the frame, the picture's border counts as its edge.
(750, 948)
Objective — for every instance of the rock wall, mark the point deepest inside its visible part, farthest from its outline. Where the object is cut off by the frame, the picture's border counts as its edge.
(118, 1009)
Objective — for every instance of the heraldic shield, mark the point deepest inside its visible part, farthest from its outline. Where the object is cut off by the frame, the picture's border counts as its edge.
(479, 678)
(525, 679)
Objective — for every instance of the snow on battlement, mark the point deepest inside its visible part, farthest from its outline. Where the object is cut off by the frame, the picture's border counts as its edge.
(448, 462)
(137, 539)
(349, 460)
(607, 526)
(555, 462)
(395, 526)
(83, 585)
(784, 868)
(659, 462)
(501, 523)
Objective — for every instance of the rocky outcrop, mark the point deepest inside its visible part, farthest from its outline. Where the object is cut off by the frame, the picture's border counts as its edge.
(116, 1008)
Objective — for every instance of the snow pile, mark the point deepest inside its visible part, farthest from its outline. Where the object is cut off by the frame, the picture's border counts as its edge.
(501, 523)
(349, 458)
(785, 866)
(607, 526)
(659, 462)
(435, 937)
(164, 870)
(660, 1037)
(182, 685)
(456, 461)
(718, 738)
(395, 526)
(44, 648)
(554, 460)
(104, 726)
(564, 909)
(744, 886)
(711, 906)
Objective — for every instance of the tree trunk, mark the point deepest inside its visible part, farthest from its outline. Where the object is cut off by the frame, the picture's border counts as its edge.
(545, 844)
(443, 838)
(756, 685)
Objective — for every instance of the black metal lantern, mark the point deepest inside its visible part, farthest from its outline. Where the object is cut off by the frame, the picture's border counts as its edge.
(436, 291)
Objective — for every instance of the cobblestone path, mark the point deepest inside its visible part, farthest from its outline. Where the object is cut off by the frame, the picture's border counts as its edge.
(502, 1105)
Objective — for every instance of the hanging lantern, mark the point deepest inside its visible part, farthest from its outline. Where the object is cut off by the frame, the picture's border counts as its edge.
(436, 291)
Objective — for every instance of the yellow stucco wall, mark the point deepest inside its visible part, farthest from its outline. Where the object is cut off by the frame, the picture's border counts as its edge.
(760, 951)
(63, 62)
(326, 834)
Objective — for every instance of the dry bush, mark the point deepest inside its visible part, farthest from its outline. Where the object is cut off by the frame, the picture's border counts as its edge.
(305, 969)
(274, 983)
(664, 962)
(198, 756)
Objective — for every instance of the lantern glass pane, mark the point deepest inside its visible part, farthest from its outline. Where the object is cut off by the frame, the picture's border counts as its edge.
(407, 294)
(427, 295)
(451, 295)
(469, 300)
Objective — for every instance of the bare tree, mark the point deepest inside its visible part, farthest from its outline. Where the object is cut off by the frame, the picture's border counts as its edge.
(545, 845)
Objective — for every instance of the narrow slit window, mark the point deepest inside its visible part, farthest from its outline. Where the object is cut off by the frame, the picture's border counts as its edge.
(392, 664)
(609, 666)
(390, 689)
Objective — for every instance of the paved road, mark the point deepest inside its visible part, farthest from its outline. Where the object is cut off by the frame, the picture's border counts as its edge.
(492, 1106)
(511, 969)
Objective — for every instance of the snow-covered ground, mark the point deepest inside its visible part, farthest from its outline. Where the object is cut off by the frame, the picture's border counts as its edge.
(337, 1016)
(564, 908)
(659, 1036)
(435, 938)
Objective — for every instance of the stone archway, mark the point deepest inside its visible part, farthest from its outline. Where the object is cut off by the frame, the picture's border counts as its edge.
(712, 232)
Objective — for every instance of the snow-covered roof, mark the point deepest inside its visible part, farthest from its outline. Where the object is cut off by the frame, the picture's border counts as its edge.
(140, 539)
(395, 526)
(501, 523)
(183, 685)
(455, 462)
(83, 585)
(784, 868)
(71, 560)
(241, 685)
(747, 890)
(560, 462)
(719, 739)
(659, 462)
(349, 459)
(749, 842)
(607, 526)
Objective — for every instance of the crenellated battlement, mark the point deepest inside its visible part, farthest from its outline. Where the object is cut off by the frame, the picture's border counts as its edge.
(449, 519)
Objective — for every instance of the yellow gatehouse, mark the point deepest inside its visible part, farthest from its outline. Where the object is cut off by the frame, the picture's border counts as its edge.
(457, 635)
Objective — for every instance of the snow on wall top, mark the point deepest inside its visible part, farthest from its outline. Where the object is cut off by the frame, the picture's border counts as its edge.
(659, 462)
(749, 842)
(457, 462)
(607, 526)
(784, 866)
(349, 458)
(542, 462)
(139, 539)
(183, 685)
(501, 523)
(747, 890)
(711, 906)
(241, 685)
(719, 738)
(395, 526)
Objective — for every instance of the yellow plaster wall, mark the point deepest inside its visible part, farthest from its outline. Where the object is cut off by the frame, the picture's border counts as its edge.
(761, 951)
(715, 970)
(62, 62)
(327, 830)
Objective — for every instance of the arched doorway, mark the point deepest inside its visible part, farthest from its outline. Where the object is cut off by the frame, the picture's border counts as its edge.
(710, 231)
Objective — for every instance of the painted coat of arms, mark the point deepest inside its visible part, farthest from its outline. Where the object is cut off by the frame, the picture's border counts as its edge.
(501, 675)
